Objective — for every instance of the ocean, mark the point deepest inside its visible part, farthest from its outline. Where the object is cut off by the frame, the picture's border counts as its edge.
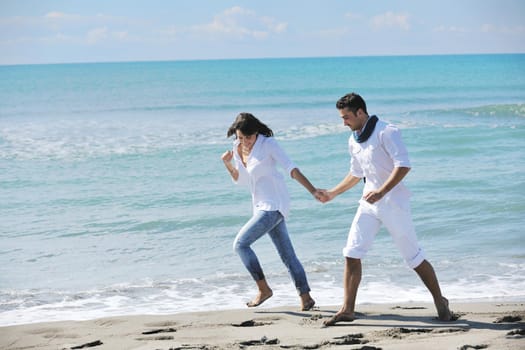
(114, 199)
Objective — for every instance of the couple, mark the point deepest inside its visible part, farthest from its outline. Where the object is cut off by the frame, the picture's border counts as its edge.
(378, 155)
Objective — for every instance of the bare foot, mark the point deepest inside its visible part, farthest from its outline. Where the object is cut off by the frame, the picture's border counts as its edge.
(308, 305)
(261, 298)
(444, 313)
(339, 317)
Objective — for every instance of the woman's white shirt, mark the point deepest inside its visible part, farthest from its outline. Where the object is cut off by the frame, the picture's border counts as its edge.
(267, 185)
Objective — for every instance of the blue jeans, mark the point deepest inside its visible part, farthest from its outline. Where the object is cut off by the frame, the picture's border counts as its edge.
(271, 222)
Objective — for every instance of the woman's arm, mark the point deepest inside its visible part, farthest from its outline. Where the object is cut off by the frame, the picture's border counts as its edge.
(298, 175)
(282, 158)
(227, 160)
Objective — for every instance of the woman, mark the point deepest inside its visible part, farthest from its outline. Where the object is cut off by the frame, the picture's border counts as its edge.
(256, 155)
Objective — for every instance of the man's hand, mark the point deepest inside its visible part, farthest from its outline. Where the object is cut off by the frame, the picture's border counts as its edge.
(373, 196)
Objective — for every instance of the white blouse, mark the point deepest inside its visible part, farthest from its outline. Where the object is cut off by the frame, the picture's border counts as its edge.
(267, 185)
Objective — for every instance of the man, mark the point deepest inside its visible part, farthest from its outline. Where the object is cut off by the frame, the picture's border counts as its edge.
(379, 156)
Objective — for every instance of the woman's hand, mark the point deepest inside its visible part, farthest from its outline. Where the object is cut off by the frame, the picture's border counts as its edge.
(323, 195)
(227, 156)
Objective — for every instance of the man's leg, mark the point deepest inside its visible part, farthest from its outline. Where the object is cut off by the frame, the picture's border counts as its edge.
(399, 224)
(428, 276)
(360, 238)
(351, 281)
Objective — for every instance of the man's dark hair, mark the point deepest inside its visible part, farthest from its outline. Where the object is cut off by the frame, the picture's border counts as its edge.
(352, 101)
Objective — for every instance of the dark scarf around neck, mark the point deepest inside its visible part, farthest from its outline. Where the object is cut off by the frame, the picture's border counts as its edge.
(367, 130)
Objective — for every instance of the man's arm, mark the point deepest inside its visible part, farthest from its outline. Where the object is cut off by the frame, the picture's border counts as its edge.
(347, 183)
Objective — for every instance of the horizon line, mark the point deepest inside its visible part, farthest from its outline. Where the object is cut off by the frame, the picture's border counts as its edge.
(258, 58)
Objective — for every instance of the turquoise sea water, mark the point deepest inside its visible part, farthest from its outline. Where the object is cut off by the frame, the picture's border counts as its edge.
(114, 200)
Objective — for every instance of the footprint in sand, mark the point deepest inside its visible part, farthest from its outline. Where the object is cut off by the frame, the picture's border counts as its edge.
(251, 323)
(159, 330)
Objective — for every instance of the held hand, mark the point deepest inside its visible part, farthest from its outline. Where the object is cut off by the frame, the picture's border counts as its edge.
(317, 194)
(323, 195)
(373, 196)
(227, 156)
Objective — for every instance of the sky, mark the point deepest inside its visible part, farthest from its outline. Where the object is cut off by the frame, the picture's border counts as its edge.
(66, 31)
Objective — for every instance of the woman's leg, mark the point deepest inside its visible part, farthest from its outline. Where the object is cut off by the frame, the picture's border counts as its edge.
(261, 223)
(281, 240)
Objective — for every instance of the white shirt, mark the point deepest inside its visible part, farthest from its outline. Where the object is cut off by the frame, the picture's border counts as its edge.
(375, 159)
(267, 185)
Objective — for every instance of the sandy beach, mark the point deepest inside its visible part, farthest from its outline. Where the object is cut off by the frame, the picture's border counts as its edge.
(494, 325)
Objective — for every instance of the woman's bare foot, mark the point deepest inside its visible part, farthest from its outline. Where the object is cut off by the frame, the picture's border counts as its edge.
(339, 317)
(308, 305)
(260, 298)
(444, 313)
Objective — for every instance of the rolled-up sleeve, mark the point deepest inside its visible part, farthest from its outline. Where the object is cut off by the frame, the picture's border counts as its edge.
(395, 147)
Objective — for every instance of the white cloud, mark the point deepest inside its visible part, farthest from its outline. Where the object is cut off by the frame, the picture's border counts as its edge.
(490, 28)
(58, 38)
(57, 26)
(274, 26)
(331, 33)
(240, 23)
(61, 16)
(353, 16)
(450, 29)
(257, 34)
(122, 35)
(97, 35)
(54, 21)
(485, 29)
(237, 10)
(101, 34)
(171, 32)
(391, 20)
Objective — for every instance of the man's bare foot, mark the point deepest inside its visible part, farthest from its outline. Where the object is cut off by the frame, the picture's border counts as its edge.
(444, 313)
(307, 306)
(339, 317)
(260, 298)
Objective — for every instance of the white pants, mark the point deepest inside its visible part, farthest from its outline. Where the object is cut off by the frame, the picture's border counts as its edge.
(398, 222)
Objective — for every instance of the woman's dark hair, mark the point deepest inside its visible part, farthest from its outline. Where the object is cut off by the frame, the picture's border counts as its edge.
(352, 101)
(249, 125)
